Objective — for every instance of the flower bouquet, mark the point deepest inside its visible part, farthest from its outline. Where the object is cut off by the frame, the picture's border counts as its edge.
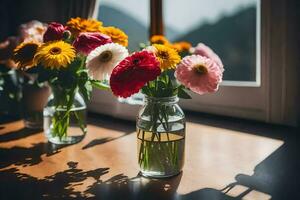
(34, 93)
(163, 77)
(72, 58)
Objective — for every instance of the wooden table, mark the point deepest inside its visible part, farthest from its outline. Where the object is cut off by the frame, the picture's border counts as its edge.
(221, 163)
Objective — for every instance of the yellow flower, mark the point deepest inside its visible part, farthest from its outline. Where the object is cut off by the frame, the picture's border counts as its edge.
(167, 56)
(116, 35)
(182, 46)
(78, 25)
(55, 54)
(24, 54)
(159, 39)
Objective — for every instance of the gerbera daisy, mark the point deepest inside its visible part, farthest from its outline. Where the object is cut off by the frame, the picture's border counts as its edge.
(78, 25)
(203, 50)
(167, 56)
(132, 73)
(159, 39)
(101, 61)
(55, 54)
(116, 35)
(199, 74)
(24, 54)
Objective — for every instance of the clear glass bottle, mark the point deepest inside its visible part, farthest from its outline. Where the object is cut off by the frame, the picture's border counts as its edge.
(62, 127)
(161, 137)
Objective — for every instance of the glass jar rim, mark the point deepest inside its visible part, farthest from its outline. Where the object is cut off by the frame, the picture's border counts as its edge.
(172, 99)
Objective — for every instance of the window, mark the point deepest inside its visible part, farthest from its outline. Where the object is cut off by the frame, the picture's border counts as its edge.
(231, 28)
(239, 31)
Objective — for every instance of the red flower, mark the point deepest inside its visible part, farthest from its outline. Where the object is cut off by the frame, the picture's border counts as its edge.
(86, 42)
(54, 31)
(132, 73)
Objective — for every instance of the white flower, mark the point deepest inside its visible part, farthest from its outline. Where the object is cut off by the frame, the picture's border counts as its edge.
(151, 49)
(101, 61)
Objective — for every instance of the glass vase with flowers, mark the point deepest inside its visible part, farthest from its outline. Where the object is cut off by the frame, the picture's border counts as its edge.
(72, 59)
(163, 77)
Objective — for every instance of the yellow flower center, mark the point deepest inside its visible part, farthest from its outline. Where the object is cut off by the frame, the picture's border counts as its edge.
(201, 69)
(55, 50)
(105, 56)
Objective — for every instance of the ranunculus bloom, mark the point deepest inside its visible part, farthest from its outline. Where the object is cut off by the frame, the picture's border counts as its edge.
(132, 73)
(87, 42)
(54, 31)
(198, 73)
(203, 50)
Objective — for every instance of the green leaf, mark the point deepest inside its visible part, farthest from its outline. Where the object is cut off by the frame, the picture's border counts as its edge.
(99, 85)
(182, 93)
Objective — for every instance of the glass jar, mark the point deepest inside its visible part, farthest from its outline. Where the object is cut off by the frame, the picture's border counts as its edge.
(65, 122)
(34, 100)
(161, 137)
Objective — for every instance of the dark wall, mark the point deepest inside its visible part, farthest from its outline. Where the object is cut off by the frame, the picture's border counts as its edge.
(15, 12)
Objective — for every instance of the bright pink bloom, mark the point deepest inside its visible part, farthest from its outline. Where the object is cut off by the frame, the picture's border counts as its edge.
(203, 50)
(87, 42)
(131, 74)
(199, 74)
(54, 31)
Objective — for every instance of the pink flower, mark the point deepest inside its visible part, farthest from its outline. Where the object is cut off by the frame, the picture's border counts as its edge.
(199, 74)
(87, 42)
(33, 30)
(54, 31)
(203, 50)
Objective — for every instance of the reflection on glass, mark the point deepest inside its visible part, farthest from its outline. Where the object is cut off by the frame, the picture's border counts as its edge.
(132, 16)
(228, 27)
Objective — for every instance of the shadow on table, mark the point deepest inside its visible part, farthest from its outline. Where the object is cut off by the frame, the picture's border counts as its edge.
(19, 134)
(278, 175)
(100, 141)
(274, 178)
(61, 186)
(27, 156)
(120, 187)
(15, 185)
(277, 178)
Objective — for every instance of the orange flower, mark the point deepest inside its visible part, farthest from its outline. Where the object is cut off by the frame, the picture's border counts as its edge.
(24, 54)
(116, 35)
(78, 25)
(159, 39)
(182, 46)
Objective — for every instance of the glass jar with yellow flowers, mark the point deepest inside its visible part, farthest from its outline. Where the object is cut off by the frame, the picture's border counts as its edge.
(72, 59)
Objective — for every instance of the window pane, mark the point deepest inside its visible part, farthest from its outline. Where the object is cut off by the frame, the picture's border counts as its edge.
(227, 26)
(132, 16)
